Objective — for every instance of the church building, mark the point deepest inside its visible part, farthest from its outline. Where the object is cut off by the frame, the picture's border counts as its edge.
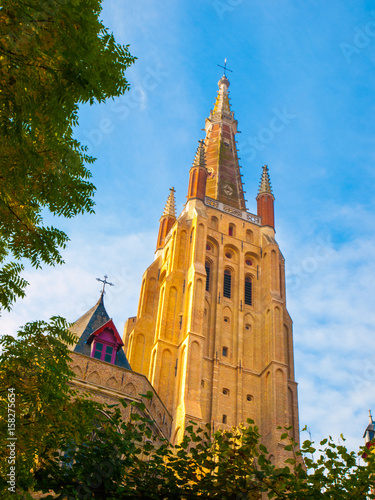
(212, 333)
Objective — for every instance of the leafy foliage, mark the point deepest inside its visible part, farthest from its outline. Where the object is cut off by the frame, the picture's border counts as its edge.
(54, 56)
(125, 461)
(81, 449)
(34, 367)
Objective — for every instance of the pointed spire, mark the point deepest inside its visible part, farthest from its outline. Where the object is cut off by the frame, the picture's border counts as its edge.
(167, 219)
(170, 206)
(198, 175)
(265, 182)
(224, 179)
(265, 200)
(222, 106)
(369, 434)
(200, 158)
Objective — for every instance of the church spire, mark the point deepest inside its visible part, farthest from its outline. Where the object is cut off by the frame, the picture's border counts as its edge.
(265, 200)
(198, 175)
(222, 106)
(167, 219)
(170, 206)
(265, 182)
(369, 434)
(224, 179)
(200, 159)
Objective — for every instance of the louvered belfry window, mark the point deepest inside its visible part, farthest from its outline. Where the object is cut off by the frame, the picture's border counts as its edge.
(208, 269)
(248, 291)
(227, 283)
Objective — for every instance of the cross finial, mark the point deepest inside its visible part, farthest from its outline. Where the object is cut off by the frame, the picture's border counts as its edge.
(225, 67)
(105, 282)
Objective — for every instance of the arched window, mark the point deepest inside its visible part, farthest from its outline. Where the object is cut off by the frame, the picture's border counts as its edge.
(248, 291)
(227, 284)
(208, 272)
(232, 230)
(214, 222)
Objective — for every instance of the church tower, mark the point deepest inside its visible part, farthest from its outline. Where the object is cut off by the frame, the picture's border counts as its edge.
(212, 331)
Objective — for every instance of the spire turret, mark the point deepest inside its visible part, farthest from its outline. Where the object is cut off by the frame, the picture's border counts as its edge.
(224, 179)
(198, 175)
(170, 206)
(222, 107)
(265, 182)
(167, 219)
(200, 159)
(265, 200)
(369, 434)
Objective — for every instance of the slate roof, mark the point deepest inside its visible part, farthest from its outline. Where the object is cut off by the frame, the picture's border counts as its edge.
(93, 319)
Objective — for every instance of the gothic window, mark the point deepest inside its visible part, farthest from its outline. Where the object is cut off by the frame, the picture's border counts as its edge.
(232, 230)
(166, 255)
(248, 291)
(227, 284)
(214, 222)
(208, 272)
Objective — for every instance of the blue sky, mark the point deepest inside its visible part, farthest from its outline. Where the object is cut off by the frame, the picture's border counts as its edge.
(312, 64)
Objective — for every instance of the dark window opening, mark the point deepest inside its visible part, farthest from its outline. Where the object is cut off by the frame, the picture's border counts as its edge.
(249, 397)
(108, 353)
(226, 392)
(225, 351)
(208, 269)
(248, 292)
(224, 419)
(103, 351)
(227, 284)
(98, 350)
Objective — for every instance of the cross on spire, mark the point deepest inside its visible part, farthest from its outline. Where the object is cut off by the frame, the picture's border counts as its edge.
(105, 282)
(225, 67)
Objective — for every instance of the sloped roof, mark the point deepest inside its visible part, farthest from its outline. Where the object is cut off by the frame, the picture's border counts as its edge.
(90, 322)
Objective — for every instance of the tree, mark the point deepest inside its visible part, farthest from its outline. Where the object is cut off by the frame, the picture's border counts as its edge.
(37, 405)
(82, 449)
(54, 56)
(126, 462)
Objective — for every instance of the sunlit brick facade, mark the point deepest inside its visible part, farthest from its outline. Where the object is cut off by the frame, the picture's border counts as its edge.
(212, 332)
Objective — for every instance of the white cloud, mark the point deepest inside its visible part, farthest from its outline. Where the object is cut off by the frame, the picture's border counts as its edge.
(72, 289)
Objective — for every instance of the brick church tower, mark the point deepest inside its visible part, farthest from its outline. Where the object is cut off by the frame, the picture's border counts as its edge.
(212, 332)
